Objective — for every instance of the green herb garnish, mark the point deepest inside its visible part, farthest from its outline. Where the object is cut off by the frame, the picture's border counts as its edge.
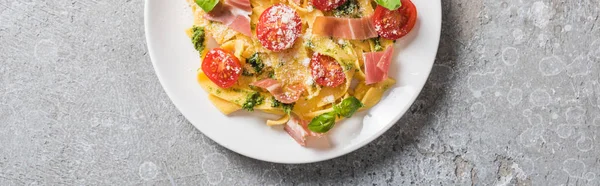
(325, 122)
(207, 5)
(322, 123)
(198, 38)
(348, 9)
(252, 100)
(347, 107)
(389, 4)
(287, 108)
(256, 63)
(272, 74)
(377, 42)
(309, 44)
(246, 72)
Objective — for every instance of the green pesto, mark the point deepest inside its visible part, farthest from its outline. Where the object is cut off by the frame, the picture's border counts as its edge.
(272, 74)
(198, 38)
(237, 90)
(246, 72)
(347, 65)
(309, 44)
(349, 9)
(287, 108)
(253, 100)
(274, 102)
(377, 42)
(256, 63)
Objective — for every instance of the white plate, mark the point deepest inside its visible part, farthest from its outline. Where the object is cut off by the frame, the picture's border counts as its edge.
(176, 61)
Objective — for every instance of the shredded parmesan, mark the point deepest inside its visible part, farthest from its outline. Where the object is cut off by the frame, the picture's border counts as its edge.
(306, 62)
(309, 81)
(329, 99)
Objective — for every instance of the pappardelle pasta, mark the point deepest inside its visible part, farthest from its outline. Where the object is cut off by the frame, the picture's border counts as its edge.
(313, 62)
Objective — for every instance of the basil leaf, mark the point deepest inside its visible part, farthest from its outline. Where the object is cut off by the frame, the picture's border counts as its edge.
(389, 4)
(322, 123)
(207, 5)
(347, 107)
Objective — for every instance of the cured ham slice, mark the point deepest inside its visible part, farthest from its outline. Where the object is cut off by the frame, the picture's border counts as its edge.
(298, 129)
(234, 14)
(377, 65)
(344, 28)
(240, 4)
(287, 95)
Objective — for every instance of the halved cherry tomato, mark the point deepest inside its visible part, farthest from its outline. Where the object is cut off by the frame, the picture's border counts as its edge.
(394, 24)
(327, 5)
(221, 67)
(326, 71)
(278, 27)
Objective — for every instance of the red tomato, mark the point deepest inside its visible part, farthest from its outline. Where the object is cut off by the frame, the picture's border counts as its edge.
(326, 71)
(327, 5)
(278, 27)
(221, 67)
(394, 24)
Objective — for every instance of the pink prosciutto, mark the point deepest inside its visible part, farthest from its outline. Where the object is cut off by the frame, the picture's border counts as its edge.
(289, 94)
(234, 14)
(298, 129)
(344, 28)
(377, 65)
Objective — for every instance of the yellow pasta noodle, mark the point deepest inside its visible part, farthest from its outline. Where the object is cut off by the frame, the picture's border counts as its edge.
(291, 66)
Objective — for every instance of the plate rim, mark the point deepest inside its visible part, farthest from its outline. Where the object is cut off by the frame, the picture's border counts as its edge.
(346, 151)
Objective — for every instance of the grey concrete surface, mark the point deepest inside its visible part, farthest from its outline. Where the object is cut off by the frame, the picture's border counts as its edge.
(513, 99)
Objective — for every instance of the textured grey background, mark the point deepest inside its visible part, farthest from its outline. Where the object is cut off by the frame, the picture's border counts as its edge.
(514, 98)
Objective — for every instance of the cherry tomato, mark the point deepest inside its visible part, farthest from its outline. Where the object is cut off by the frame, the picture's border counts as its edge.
(221, 67)
(327, 5)
(394, 24)
(326, 71)
(278, 27)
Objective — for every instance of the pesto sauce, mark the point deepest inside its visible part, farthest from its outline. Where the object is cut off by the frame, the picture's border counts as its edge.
(256, 63)
(253, 99)
(272, 74)
(246, 73)
(377, 42)
(287, 108)
(198, 38)
(349, 9)
(309, 44)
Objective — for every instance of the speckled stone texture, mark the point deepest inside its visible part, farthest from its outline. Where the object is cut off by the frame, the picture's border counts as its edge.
(513, 99)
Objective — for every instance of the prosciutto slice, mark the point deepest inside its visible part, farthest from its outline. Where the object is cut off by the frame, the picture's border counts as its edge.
(234, 14)
(344, 28)
(377, 65)
(287, 95)
(298, 129)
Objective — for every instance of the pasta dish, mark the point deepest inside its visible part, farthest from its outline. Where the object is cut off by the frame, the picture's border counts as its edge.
(312, 62)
